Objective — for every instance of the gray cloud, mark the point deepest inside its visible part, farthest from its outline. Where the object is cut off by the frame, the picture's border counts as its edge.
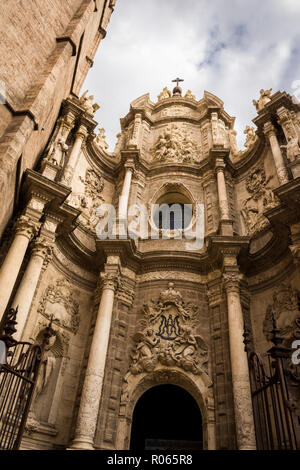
(231, 48)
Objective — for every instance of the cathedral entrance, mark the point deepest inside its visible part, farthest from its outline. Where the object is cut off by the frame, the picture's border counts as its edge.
(166, 417)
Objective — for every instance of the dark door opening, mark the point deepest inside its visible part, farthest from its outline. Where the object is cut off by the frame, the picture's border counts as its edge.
(166, 417)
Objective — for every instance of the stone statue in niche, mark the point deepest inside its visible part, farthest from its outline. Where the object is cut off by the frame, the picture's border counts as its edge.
(100, 139)
(262, 198)
(58, 301)
(176, 145)
(57, 152)
(167, 336)
(164, 94)
(52, 354)
(265, 97)
(285, 310)
(292, 148)
(88, 105)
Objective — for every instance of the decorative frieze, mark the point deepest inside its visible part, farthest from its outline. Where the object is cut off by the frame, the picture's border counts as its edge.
(175, 145)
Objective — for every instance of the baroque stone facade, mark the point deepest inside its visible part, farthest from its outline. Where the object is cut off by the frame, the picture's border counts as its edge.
(130, 314)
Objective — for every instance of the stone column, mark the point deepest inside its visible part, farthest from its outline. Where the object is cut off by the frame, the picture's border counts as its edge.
(226, 222)
(270, 133)
(92, 387)
(40, 257)
(124, 199)
(68, 173)
(245, 432)
(25, 229)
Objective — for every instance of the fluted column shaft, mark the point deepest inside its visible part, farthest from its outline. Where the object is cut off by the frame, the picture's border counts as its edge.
(269, 131)
(92, 388)
(25, 230)
(40, 255)
(245, 432)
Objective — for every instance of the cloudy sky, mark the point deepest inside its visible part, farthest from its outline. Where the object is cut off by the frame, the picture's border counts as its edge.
(232, 48)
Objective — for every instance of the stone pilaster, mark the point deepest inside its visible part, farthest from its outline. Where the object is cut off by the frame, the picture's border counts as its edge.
(93, 382)
(270, 133)
(245, 432)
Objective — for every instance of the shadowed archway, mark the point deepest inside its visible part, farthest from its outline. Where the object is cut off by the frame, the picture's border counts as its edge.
(166, 417)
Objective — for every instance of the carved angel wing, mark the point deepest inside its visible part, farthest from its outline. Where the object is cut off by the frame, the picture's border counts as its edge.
(137, 337)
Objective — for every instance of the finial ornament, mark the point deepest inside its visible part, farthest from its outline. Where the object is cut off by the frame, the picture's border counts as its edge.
(177, 90)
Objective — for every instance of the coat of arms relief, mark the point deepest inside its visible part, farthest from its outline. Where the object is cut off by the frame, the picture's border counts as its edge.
(166, 336)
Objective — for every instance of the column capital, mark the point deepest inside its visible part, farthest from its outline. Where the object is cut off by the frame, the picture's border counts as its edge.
(110, 280)
(220, 164)
(82, 132)
(232, 281)
(269, 130)
(26, 226)
(43, 247)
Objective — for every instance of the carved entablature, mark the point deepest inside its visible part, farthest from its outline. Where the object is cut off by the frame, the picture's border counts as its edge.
(175, 145)
(260, 200)
(285, 310)
(58, 302)
(166, 336)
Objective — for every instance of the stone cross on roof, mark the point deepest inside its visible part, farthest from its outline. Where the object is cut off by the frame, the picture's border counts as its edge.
(177, 80)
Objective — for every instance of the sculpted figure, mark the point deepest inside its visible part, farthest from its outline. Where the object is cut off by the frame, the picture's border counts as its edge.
(263, 100)
(251, 137)
(100, 139)
(144, 358)
(292, 148)
(164, 94)
(87, 103)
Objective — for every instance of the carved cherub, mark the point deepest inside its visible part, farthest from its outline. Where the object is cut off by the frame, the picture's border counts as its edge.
(87, 103)
(265, 97)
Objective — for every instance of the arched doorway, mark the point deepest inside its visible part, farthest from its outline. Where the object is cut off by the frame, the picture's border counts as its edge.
(166, 417)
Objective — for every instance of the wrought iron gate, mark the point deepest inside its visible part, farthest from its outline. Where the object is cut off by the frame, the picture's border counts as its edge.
(275, 387)
(19, 367)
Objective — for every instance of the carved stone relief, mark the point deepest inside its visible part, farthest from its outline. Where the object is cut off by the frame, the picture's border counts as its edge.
(89, 201)
(262, 198)
(285, 310)
(58, 302)
(176, 145)
(166, 336)
(100, 139)
(265, 97)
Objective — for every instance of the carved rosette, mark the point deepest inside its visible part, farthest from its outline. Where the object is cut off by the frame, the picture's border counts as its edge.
(26, 227)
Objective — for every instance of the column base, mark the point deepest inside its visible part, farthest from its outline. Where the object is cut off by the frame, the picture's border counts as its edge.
(81, 444)
(226, 227)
